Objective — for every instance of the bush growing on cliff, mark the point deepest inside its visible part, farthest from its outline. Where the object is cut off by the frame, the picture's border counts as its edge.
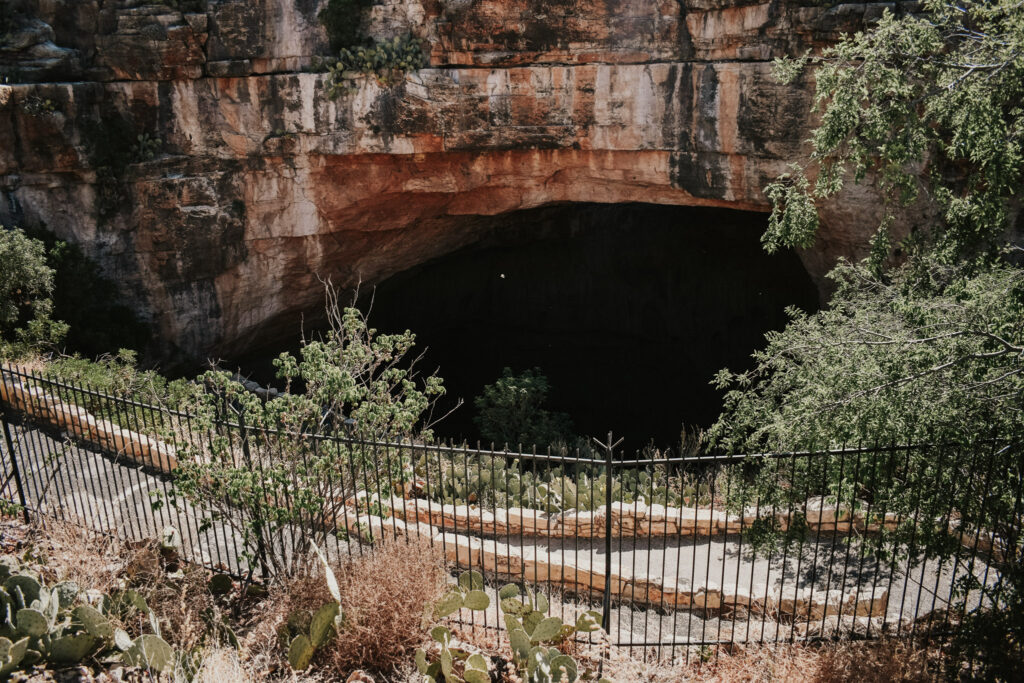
(343, 21)
(386, 62)
(511, 411)
(26, 287)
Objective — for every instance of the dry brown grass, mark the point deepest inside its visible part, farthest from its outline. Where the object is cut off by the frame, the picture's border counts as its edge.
(222, 665)
(883, 660)
(384, 596)
(104, 563)
(71, 553)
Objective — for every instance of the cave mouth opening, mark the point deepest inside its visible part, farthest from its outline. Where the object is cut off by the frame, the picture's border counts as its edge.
(628, 309)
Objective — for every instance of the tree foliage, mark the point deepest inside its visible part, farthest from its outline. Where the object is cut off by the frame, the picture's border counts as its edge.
(887, 362)
(933, 104)
(283, 463)
(511, 411)
(26, 286)
(83, 297)
(928, 107)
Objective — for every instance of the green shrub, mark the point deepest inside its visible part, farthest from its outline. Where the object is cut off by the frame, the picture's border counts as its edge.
(511, 411)
(386, 62)
(88, 302)
(26, 288)
(355, 382)
(343, 21)
(113, 143)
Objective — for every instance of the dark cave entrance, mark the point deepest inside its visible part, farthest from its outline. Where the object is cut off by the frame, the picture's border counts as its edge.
(628, 309)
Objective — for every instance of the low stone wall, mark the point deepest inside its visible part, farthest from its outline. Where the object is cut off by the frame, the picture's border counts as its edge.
(81, 424)
(627, 519)
(448, 525)
(494, 558)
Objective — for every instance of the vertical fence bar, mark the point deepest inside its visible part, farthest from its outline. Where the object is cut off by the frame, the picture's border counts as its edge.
(15, 470)
(258, 522)
(606, 604)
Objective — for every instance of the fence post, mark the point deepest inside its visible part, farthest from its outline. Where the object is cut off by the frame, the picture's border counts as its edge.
(606, 607)
(261, 548)
(14, 464)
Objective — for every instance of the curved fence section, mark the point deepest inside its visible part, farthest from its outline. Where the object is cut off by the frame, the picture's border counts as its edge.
(680, 553)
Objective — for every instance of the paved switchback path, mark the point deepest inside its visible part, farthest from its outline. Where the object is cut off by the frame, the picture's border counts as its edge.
(64, 480)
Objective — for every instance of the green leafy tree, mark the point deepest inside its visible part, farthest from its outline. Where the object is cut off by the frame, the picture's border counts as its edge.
(98, 322)
(274, 471)
(885, 362)
(26, 286)
(928, 107)
(931, 104)
(511, 411)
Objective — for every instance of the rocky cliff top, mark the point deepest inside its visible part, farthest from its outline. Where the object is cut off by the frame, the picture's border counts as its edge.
(189, 149)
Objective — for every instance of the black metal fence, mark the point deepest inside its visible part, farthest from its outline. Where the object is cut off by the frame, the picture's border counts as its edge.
(679, 554)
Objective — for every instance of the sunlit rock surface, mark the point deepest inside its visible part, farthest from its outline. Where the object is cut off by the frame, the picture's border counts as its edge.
(260, 184)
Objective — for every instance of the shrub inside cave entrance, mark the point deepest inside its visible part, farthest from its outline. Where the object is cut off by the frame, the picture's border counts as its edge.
(628, 309)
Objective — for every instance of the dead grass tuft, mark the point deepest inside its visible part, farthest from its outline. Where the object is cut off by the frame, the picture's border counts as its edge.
(384, 596)
(883, 660)
(71, 553)
(222, 666)
(181, 601)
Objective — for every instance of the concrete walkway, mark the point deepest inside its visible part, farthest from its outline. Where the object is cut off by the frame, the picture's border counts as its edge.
(67, 481)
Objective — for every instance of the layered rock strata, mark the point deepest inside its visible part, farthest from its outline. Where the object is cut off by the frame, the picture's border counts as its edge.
(250, 184)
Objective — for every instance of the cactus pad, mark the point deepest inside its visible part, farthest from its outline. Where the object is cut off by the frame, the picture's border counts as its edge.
(300, 653)
(71, 649)
(31, 622)
(321, 628)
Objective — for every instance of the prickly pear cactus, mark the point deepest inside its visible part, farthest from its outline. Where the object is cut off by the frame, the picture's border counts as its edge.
(58, 626)
(455, 664)
(305, 632)
(532, 635)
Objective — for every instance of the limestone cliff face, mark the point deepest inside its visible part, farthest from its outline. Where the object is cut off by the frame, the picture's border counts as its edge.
(260, 183)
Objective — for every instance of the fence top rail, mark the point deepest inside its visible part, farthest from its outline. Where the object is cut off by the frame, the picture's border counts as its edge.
(25, 374)
(353, 439)
(737, 457)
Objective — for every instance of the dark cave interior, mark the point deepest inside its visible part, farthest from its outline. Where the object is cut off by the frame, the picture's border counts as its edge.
(629, 309)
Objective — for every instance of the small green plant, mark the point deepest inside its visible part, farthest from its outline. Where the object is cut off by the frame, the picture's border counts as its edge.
(455, 664)
(35, 105)
(62, 625)
(145, 147)
(26, 295)
(307, 632)
(386, 62)
(533, 636)
(511, 411)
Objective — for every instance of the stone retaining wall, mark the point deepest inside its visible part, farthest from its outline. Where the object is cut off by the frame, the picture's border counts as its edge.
(627, 519)
(81, 424)
(424, 517)
(494, 558)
